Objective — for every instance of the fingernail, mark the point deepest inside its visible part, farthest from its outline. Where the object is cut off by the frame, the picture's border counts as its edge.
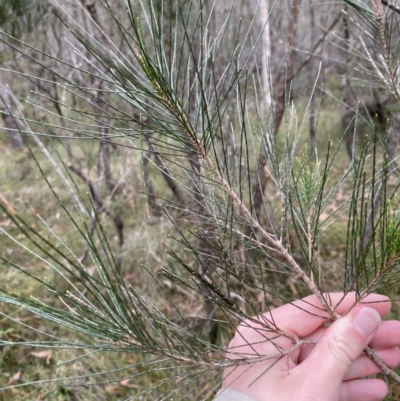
(366, 321)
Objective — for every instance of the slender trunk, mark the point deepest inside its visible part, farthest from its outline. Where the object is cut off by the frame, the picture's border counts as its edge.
(281, 89)
(266, 44)
(99, 34)
(106, 163)
(313, 128)
(168, 178)
(101, 207)
(148, 183)
(13, 136)
(11, 129)
(260, 181)
(348, 112)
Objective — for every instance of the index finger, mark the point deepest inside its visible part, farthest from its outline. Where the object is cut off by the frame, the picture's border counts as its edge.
(302, 317)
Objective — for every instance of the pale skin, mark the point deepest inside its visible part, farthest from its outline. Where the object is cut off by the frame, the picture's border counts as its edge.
(332, 368)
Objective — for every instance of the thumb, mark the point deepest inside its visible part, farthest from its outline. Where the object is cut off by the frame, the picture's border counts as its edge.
(341, 345)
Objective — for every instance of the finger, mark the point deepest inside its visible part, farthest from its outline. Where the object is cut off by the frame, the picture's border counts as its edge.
(387, 336)
(341, 345)
(363, 390)
(364, 366)
(305, 316)
(298, 319)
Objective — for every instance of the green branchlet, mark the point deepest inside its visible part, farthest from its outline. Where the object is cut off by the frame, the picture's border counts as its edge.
(308, 185)
(392, 235)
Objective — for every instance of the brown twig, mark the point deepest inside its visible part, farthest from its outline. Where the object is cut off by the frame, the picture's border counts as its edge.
(227, 362)
(382, 365)
(387, 55)
(277, 244)
(7, 205)
(391, 6)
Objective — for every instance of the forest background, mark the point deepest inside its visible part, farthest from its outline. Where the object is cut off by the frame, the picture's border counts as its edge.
(173, 167)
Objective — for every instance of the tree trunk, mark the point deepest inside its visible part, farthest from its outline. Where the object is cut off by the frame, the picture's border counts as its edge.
(280, 93)
(260, 181)
(13, 136)
(266, 44)
(348, 115)
(313, 128)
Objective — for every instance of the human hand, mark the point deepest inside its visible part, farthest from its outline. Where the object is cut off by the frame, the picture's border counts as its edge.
(331, 368)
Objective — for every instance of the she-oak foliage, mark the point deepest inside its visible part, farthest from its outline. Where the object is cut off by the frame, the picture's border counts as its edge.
(196, 114)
